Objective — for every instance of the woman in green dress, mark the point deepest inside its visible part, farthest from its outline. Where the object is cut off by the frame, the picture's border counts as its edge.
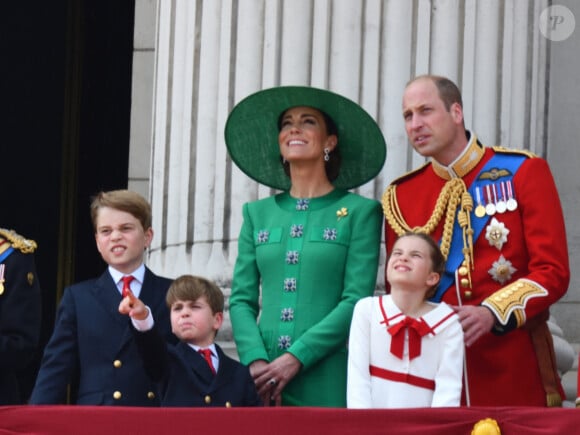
(308, 254)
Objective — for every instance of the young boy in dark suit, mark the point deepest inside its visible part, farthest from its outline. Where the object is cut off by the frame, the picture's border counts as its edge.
(185, 376)
(91, 339)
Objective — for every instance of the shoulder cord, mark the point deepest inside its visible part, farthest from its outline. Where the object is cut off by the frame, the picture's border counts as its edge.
(453, 194)
(25, 246)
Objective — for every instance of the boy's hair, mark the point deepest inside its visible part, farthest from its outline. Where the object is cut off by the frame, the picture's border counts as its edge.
(123, 200)
(191, 288)
(437, 258)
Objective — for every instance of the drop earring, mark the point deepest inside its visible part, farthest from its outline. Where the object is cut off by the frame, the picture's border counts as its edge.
(326, 154)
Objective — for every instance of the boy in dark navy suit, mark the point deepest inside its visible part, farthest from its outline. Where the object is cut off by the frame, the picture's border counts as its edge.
(91, 339)
(185, 376)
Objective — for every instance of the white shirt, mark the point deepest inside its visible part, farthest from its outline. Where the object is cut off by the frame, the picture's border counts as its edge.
(136, 284)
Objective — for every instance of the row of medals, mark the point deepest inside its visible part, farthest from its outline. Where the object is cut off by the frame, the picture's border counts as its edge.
(497, 198)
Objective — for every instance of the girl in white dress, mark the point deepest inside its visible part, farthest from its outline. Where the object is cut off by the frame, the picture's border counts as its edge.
(404, 351)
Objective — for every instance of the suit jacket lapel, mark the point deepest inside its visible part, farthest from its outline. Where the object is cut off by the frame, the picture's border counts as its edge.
(197, 363)
(225, 369)
(106, 293)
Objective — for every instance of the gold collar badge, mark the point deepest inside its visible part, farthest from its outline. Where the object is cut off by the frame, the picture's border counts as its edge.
(469, 158)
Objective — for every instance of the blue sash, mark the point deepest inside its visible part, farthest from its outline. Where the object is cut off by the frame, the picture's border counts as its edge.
(6, 253)
(510, 162)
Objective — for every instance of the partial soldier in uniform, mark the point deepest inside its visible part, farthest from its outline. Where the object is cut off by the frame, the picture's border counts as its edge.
(498, 218)
(20, 312)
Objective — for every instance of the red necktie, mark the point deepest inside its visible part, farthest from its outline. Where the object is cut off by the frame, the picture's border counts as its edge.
(207, 355)
(126, 285)
(417, 329)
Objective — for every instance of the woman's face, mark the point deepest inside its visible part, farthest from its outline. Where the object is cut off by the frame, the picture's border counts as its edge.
(304, 136)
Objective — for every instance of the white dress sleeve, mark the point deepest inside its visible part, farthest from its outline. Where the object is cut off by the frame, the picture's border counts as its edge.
(449, 375)
(358, 387)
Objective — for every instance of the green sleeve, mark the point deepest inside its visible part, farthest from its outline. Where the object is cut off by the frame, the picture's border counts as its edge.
(245, 297)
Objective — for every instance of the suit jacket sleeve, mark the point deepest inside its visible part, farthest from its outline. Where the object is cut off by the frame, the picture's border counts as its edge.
(153, 352)
(59, 361)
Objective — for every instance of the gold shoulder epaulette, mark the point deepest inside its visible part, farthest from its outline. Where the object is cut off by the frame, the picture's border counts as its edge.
(409, 174)
(25, 246)
(504, 150)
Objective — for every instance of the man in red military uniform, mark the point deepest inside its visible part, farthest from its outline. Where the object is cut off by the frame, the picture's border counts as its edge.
(497, 215)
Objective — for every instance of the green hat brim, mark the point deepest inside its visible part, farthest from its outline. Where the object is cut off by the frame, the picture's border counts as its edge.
(251, 135)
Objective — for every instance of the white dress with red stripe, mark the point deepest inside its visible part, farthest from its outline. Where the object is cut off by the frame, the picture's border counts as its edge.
(377, 378)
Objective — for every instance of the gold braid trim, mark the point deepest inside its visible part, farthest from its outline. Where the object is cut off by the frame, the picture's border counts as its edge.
(512, 299)
(501, 149)
(25, 246)
(454, 194)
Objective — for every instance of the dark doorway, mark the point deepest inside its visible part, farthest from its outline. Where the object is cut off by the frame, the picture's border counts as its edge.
(66, 94)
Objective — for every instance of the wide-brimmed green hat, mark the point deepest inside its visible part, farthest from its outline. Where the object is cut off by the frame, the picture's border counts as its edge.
(251, 135)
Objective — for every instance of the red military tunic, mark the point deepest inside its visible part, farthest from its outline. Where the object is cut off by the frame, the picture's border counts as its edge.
(518, 276)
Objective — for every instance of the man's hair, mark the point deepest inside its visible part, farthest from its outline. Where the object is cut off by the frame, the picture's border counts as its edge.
(123, 200)
(448, 91)
(191, 288)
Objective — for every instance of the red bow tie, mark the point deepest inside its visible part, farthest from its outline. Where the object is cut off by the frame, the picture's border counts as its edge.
(417, 329)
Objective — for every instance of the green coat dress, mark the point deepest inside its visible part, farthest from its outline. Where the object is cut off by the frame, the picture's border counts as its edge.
(313, 259)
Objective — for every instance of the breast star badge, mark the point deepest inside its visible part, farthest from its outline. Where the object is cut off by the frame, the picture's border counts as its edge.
(496, 233)
(502, 270)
